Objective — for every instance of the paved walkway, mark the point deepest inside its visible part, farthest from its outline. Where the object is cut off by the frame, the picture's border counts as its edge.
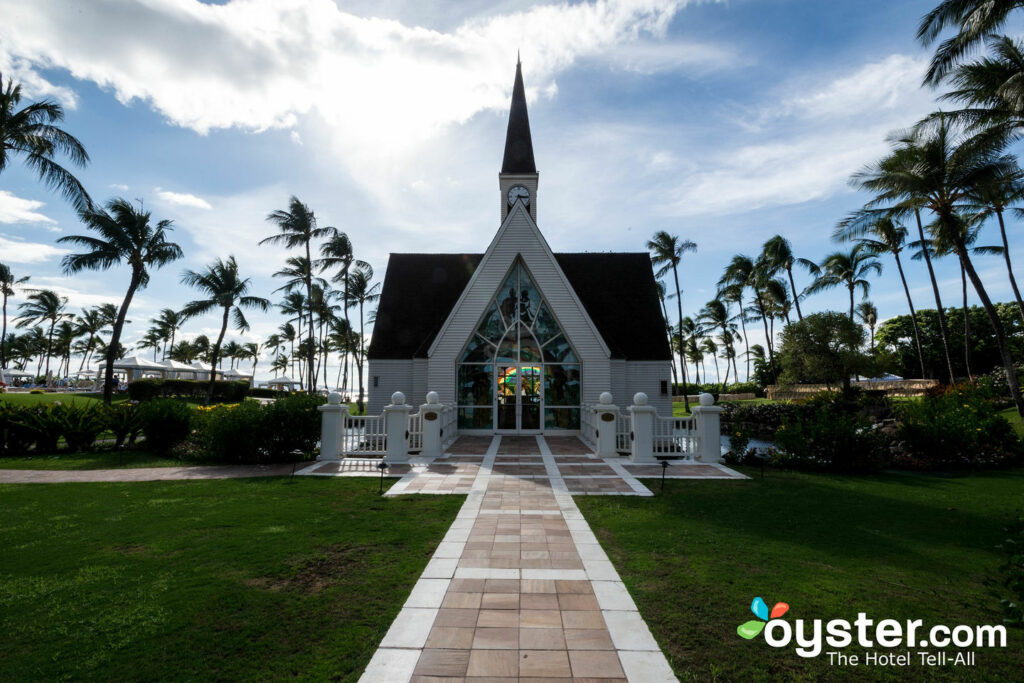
(147, 474)
(519, 589)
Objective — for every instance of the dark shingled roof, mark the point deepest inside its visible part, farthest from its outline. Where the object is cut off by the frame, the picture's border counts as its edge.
(518, 142)
(617, 290)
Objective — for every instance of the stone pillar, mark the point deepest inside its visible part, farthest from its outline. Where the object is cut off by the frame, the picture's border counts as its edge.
(643, 429)
(605, 414)
(707, 422)
(332, 425)
(396, 428)
(430, 412)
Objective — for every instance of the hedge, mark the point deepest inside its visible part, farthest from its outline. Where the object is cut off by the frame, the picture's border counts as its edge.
(223, 390)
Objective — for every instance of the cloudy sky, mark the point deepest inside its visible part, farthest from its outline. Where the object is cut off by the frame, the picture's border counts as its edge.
(722, 122)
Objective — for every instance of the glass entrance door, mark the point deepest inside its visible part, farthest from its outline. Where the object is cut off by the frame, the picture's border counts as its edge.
(508, 395)
(529, 398)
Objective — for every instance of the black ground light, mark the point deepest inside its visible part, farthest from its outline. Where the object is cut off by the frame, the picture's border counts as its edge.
(382, 466)
(664, 467)
(763, 458)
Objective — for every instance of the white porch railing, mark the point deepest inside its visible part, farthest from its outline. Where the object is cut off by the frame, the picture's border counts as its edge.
(675, 436)
(363, 435)
(623, 433)
(415, 432)
(449, 425)
(588, 425)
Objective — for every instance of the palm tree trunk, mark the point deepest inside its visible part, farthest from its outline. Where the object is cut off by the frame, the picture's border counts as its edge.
(997, 326)
(115, 337)
(796, 299)
(49, 347)
(767, 334)
(943, 332)
(362, 356)
(1009, 266)
(913, 314)
(718, 374)
(850, 287)
(348, 331)
(3, 336)
(215, 355)
(664, 314)
(682, 353)
(967, 325)
(311, 352)
(746, 344)
(725, 336)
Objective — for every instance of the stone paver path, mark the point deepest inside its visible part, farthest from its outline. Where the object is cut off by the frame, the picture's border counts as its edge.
(519, 589)
(146, 474)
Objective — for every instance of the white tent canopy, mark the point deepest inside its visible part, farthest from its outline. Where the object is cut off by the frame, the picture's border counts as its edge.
(177, 366)
(232, 373)
(137, 363)
(11, 373)
(280, 381)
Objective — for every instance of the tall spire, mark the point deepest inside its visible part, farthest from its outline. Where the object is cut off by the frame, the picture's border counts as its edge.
(518, 143)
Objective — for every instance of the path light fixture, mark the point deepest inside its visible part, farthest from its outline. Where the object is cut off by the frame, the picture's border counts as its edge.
(664, 467)
(762, 458)
(382, 466)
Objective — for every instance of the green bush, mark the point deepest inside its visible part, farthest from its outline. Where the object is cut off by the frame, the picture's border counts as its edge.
(829, 436)
(1012, 571)
(224, 391)
(36, 391)
(79, 424)
(165, 422)
(253, 433)
(15, 437)
(123, 421)
(42, 425)
(263, 392)
(957, 429)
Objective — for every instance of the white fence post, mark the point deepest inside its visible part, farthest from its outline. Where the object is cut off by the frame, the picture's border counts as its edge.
(606, 414)
(396, 428)
(431, 413)
(643, 429)
(332, 426)
(707, 417)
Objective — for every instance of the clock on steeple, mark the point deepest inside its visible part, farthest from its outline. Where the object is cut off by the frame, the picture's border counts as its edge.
(518, 178)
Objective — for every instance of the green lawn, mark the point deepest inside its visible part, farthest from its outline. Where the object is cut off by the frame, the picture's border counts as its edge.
(98, 460)
(1015, 420)
(207, 580)
(893, 546)
(35, 399)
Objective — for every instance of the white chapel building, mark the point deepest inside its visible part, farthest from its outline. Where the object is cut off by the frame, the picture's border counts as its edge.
(519, 337)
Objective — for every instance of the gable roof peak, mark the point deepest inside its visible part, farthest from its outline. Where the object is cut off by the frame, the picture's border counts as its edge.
(518, 142)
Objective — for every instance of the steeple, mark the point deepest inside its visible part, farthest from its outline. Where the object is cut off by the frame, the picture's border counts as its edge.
(518, 144)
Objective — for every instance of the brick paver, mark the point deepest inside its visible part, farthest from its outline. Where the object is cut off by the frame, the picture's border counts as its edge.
(147, 473)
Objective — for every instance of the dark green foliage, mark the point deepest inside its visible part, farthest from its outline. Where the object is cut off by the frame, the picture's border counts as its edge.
(225, 391)
(759, 420)
(123, 421)
(41, 426)
(715, 387)
(958, 429)
(79, 424)
(895, 335)
(287, 429)
(823, 348)
(1012, 574)
(15, 437)
(832, 434)
(165, 422)
(263, 392)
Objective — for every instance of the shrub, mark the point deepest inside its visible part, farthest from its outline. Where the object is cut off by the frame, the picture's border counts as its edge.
(263, 392)
(1012, 571)
(15, 437)
(226, 391)
(123, 421)
(294, 425)
(165, 422)
(79, 424)
(829, 436)
(42, 426)
(956, 429)
(36, 391)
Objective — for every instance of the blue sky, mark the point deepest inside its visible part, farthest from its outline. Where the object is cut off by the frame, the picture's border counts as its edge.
(722, 122)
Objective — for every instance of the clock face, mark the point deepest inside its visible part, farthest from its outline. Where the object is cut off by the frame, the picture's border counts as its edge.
(518, 192)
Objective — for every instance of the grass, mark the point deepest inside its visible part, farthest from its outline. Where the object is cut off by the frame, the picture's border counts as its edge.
(679, 410)
(36, 399)
(95, 460)
(1015, 420)
(892, 546)
(207, 580)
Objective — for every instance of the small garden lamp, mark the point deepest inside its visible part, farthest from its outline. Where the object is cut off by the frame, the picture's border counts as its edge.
(382, 466)
(762, 458)
(664, 468)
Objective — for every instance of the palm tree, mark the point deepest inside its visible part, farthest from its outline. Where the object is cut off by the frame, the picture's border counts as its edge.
(225, 289)
(91, 322)
(289, 334)
(868, 315)
(251, 351)
(715, 315)
(297, 229)
(707, 345)
(990, 90)
(739, 275)
(168, 322)
(777, 255)
(43, 306)
(8, 285)
(849, 269)
(362, 292)
(667, 251)
(337, 254)
(33, 132)
(280, 365)
(151, 340)
(995, 196)
(733, 294)
(125, 235)
(668, 326)
(975, 21)
(882, 234)
(947, 169)
(886, 178)
(230, 351)
(691, 331)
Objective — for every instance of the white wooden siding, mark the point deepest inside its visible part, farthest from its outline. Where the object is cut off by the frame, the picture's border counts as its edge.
(647, 376)
(519, 236)
(392, 376)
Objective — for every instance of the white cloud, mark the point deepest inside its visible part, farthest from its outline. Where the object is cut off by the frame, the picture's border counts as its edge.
(806, 144)
(33, 85)
(19, 251)
(182, 199)
(120, 187)
(14, 209)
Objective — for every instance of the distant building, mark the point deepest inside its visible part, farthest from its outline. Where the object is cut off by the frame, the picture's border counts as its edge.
(519, 337)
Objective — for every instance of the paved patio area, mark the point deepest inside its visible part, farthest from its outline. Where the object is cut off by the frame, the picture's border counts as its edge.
(149, 473)
(520, 589)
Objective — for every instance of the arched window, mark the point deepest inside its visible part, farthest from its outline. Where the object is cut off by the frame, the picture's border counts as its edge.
(518, 370)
